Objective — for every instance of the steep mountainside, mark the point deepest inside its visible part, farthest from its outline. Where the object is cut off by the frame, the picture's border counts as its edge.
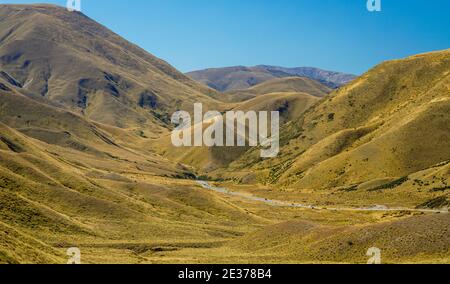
(241, 77)
(388, 124)
(74, 62)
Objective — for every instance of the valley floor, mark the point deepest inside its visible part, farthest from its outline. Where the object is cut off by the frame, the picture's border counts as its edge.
(215, 227)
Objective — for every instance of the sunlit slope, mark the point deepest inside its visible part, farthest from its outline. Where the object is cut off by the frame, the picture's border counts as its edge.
(407, 240)
(389, 123)
(290, 105)
(17, 247)
(72, 135)
(53, 198)
(287, 85)
(79, 64)
(66, 181)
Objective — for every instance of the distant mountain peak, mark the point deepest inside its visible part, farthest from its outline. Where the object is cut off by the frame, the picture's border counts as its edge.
(242, 77)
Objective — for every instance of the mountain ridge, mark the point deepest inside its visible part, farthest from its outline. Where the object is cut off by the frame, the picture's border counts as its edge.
(242, 77)
(91, 70)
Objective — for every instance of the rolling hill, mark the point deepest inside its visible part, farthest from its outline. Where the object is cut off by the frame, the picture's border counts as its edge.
(306, 242)
(390, 123)
(241, 77)
(279, 85)
(290, 105)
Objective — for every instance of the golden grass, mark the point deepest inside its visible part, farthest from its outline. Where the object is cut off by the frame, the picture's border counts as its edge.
(88, 163)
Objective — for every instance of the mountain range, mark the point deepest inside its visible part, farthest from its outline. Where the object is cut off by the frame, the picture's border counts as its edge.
(241, 77)
(86, 159)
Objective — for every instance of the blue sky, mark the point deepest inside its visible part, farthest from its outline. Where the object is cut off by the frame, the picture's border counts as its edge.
(337, 35)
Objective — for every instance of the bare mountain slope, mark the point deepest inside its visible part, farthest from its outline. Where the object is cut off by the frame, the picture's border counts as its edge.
(79, 64)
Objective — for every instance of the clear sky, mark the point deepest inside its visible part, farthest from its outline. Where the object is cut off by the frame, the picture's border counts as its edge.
(337, 35)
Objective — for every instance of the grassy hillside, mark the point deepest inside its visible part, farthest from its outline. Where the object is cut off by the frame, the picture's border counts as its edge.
(398, 240)
(76, 63)
(290, 105)
(390, 123)
(54, 198)
(289, 84)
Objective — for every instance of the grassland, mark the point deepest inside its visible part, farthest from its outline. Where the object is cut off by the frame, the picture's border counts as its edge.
(85, 159)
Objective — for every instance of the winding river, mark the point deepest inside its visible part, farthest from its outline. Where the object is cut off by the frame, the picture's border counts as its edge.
(381, 208)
